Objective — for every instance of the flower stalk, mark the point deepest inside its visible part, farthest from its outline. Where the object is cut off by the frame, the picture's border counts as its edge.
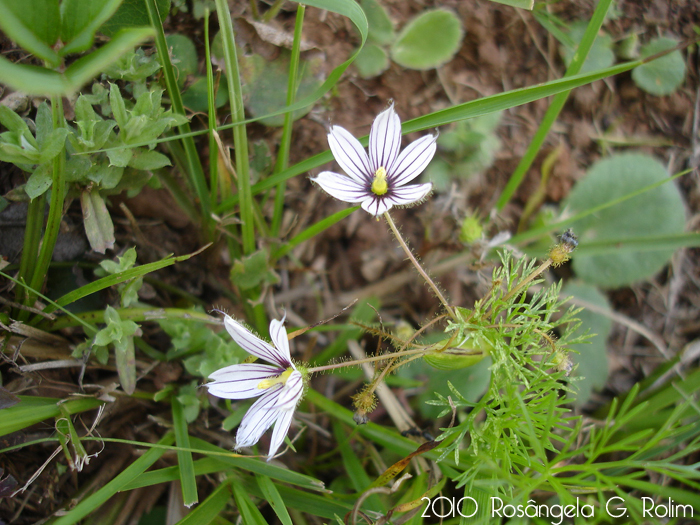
(418, 267)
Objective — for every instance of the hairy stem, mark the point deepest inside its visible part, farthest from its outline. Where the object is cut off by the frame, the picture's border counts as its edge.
(420, 269)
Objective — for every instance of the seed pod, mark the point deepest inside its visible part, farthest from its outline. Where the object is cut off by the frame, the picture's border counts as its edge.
(468, 353)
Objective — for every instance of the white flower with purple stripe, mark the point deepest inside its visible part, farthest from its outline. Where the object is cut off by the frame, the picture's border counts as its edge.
(280, 385)
(379, 180)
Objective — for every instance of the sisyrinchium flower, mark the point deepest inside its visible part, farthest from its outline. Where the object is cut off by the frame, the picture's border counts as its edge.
(379, 180)
(280, 385)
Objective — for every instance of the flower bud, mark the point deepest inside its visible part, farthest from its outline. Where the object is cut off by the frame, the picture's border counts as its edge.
(471, 230)
(468, 353)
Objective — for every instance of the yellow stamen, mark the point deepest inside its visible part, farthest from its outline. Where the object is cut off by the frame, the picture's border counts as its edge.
(379, 184)
(270, 381)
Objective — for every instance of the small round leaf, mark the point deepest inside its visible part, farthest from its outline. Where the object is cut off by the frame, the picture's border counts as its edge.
(381, 30)
(654, 213)
(183, 56)
(372, 61)
(661, 76)
(428, 41)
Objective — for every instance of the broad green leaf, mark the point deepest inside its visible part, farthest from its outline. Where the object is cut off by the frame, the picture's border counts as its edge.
(116, 102)
(657, 212)
(665, 74)
(18, 148)
(372, 61)
(133, 13)
(135, 66)
(591, 361)
(31, 410)
(125, 356)
(34, 25)
(80, 19)
(32, 79)
(53, 145)
(88, 67)
(120, 157)
(265, 84)
(428, 41)
(252, 271)
(39, 181)
(195, 97)
(12, 121)
(40, 81)
(381, 29)
(98, 223)
(183, 55)
(148, 160)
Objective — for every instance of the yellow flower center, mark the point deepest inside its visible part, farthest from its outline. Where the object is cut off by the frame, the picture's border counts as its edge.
(379, 184)
(270, 381)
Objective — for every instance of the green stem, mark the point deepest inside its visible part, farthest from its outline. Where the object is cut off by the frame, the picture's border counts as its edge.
(30, 249)
(58, 192)
(240, 139)
(211, 117)
(357, 362)
(286, 141)
(557, 104)
(420, 269)
(194, 169)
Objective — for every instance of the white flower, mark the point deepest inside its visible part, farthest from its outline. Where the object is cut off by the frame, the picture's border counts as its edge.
(279, 384)
(378, 181)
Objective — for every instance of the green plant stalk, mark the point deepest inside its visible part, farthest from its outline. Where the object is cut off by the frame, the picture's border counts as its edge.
(53, 223)
(30, 249)
(211, 117)
(240, 139)
(195, 172)
(184, 457)
(272, 12)
(286, 140)
(557, 104)
(418, 267)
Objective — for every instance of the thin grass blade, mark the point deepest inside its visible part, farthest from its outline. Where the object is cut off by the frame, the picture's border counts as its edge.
(188, 481)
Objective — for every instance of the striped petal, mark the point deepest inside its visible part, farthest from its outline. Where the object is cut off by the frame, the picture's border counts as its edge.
(412, 161)
(409, 194)
(384, 140)
(278, 334)
(342, 187)
(282, 425)
(259, 418)
(377, 206)
(291, 393)
(349, 154)
(253, 344)
(241, 381)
